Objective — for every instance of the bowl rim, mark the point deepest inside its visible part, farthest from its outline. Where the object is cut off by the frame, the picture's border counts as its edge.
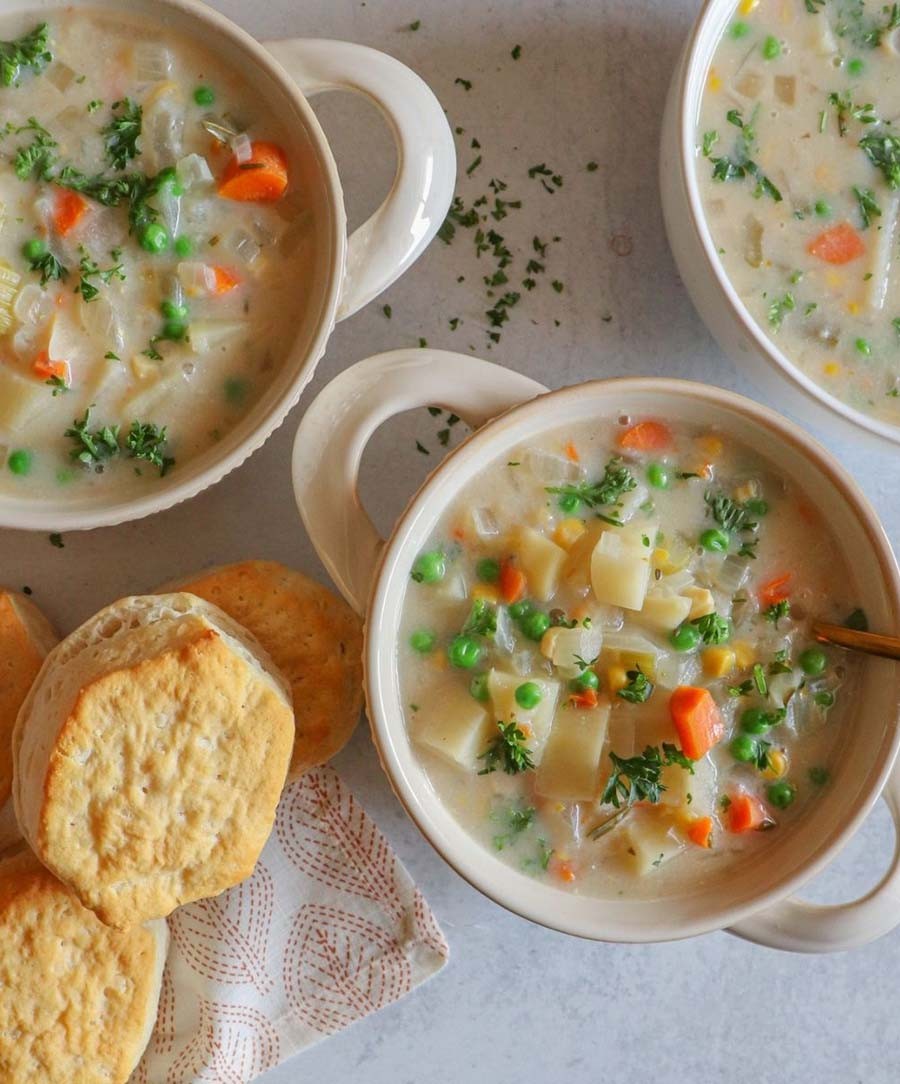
(29, 515)
(387, 719)
(698, 52)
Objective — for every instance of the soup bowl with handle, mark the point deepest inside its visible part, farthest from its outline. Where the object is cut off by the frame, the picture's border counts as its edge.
(715, 297)
(349, 272)
(506, 410)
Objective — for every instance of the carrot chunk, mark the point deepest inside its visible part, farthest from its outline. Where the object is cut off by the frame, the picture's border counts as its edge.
(225, 280)
(46, 369)
(587, 698)
(745, 813)
(646, 437)
(572, 452)
(775, 591)
(511, 583)
(263, 179)
(562, 869)
(697, 720)
(838, 245)
(700, 831)
(68, 210)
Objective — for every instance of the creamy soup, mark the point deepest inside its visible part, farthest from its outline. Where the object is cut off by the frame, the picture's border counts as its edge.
(799, 167)
(606, 659)
(153, 252)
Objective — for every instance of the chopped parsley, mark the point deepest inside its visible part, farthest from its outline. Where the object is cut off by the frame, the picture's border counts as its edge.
(868, 206)
(92, 447)
(32, 51)
(146, 440)
(846, 110)
(482, 619)
(617, 480)
(516, 52)
(90, 270)
(38, 157)
(507, 751)
(779, 309)
(883, 151)
(777, 611)
(49, 267)
(637, 779)
(122, 133)
(713, 629)
(639, 687)
(550, 181)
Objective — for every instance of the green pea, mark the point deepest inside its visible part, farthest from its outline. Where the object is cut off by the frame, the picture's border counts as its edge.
(819, 776)
(204, 95)
(171, 311)
(825, 698)
(464, 652)
(781, 793)
(569, 503)
(20, 461)
(739, 30)
(754, 721)
(855, 66)
(744, 749)
(154, 238)
(529, 695)
(534, 625)
(771, 48)
(813, 661)
(429, 567)
(864, 347)
(167, 179)
(488, 570)
(34, 249)
(756, 506)
(587, 679)
(822, 208)
(184, 247)
(478, 687)
(714, 540)
(658, 475)
(518, 610)
(174, 330)
(423, 641)
(685, 637)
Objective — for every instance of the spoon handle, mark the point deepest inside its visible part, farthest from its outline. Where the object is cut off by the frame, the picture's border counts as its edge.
(871, 643)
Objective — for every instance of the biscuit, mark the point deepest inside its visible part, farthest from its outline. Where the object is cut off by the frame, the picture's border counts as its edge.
(149, 756)
(26, 636)
(78, 1000)
(314, 638)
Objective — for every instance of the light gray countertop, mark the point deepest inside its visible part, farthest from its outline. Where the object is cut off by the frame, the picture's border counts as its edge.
(518, 1004)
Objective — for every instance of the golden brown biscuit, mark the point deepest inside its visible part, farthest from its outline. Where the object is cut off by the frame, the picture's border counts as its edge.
(25, 638)
(78, 1000)
(314, 638)
(149, 756)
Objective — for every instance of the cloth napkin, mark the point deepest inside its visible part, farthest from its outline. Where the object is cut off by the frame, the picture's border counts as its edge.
(329, 928)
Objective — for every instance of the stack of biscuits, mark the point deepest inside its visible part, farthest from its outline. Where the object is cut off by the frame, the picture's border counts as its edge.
(141, 763)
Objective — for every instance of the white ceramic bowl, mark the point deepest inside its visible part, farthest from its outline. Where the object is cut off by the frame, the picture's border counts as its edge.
(726, 316)
(373, 576)
(350, 272)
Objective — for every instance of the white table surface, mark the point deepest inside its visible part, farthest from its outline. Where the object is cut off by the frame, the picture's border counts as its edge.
(518, 1004)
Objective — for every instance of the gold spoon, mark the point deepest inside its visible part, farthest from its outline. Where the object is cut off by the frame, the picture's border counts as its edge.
(870, 643)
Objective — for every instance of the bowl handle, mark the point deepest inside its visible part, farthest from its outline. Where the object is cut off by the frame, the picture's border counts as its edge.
(404, 225)
(339, 424)
(797, 926)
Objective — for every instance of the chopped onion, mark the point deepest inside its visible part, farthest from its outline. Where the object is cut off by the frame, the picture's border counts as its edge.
(504, 638)
(164, 129)
(152, 62)
(243, 246)
(198, 279)
(61, 76)
(170, 209)
(485, 522)
(193, 170)
(206, 335)
(523, 662)
(551, 469)
(216, 127)
(241, 148)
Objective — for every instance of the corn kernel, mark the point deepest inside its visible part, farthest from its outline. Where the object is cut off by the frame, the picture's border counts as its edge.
(778, 764)
(702, 602)
(661, 557)
(747, 6)
(486, 592)
(713, 81)
(831, 368)
(568, 532)
(746, 491)
(616, 678)
(744, 654)
(718, 661)
(710, 445)
(853, 307)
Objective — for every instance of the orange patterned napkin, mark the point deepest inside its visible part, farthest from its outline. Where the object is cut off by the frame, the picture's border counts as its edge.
(328, 929)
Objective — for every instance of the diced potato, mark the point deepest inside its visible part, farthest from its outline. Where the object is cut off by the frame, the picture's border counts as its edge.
(502, 688)
(744, 653)
(651, 841)
(568, 531)
(702, 602)
(563, 645)
(616, 678)
(542, 562)
(577, 569)
(663, 613)
(620, 568)
(631, 651)
(718, 661)
(570, 768)
(786, 88)
(454, 725)
(21, 400)
(695, 793)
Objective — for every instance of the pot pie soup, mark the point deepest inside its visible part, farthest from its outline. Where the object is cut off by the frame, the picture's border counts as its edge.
(799, 174)
(152, 251)
(607, 662)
